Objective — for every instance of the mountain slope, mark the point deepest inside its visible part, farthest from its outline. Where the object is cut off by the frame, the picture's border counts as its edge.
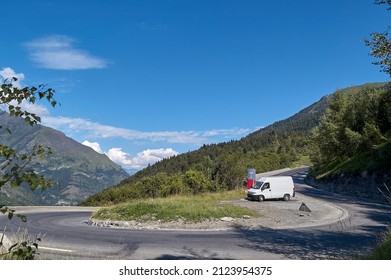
(78, 169)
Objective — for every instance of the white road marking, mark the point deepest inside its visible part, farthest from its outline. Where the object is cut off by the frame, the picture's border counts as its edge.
(55, 249)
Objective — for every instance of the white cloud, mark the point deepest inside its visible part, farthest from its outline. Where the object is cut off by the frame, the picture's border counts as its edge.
(141, 160)
(120, 157)
(58, 52)
(150, 156)
(128, 162)
(40, 110)
(94, 145)
(89, 129)
(8, 73)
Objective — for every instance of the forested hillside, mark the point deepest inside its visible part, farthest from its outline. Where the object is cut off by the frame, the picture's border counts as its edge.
(223, 166)
(355, 132)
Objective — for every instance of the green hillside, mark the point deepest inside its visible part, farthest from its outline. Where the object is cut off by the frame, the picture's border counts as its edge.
(285, 143)
(355, 133)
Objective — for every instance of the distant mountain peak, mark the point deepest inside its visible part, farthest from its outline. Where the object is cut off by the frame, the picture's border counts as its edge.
(78, 169)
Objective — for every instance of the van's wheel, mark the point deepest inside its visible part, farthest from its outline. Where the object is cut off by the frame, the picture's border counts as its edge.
(260, 198)
(287, 197)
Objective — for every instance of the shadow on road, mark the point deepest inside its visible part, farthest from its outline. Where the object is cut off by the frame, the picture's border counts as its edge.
(310, 244)
(191, 254)
(294, 244)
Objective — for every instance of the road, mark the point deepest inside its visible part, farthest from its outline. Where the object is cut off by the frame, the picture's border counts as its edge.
(66, 235)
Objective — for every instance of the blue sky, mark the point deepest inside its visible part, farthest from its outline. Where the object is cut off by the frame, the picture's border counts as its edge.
(142, 80)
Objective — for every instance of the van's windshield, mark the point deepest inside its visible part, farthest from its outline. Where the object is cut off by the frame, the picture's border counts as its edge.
(257, 185)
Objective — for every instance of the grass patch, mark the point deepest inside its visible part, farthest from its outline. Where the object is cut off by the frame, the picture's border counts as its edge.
(354, 165)
(303, 160)
(383, 250)
(188, 208)
(371, 160)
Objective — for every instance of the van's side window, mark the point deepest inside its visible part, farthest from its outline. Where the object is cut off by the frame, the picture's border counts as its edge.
(265, 186)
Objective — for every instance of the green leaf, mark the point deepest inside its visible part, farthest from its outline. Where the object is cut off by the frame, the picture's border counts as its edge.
(23, 218)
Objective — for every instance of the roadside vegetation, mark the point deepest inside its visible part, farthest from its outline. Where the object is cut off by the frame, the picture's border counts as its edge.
(19, 247)
(15, 166)
(354, 135)
(190, 208)
(383, 249)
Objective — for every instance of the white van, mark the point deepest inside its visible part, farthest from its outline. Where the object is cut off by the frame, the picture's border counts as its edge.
(272, 188)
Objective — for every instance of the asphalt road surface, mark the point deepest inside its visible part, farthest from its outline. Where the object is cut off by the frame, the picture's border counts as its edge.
(66, 235)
